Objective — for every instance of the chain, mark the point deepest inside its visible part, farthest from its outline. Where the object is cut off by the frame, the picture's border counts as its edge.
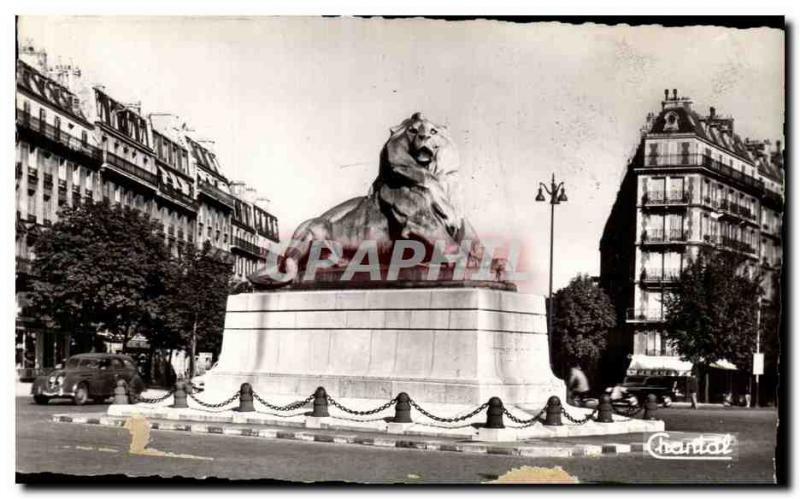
(233, 397)
(370, 412)
(455, 419)
(576, 420)
(525, 422)
(629, 413)
(156, 400)
(288, 407)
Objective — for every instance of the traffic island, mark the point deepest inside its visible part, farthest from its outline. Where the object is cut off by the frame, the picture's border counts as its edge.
(531, 448)
(402, 415)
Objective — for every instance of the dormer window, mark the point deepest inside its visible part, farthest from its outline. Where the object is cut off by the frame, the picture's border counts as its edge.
(671, 122)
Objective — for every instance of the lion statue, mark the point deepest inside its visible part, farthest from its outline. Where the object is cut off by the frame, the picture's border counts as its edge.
(413, 197)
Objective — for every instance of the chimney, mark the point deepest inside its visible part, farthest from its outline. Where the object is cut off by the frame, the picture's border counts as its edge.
(674, 94)
(666, 94)
(712, 112)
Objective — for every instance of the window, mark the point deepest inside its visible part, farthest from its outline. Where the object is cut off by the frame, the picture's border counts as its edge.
(42, 118)
(84, 138)
(26, 109)
(57, 122)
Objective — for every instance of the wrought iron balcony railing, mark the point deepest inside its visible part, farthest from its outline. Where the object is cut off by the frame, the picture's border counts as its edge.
(253, 249)
(645, 315)
(658, 236)
(660, 275)
(174, 193)
(705, 161)
(215, 193)
(57, 135)
(131, 168)
(674, 197)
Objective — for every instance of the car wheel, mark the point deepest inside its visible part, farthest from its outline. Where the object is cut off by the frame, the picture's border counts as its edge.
(81, 394)
(667, 401)
(41, 399)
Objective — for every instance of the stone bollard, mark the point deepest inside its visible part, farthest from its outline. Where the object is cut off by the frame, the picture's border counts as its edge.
(246, 398)
(494, 414)
(180, 396)
(650, 407)
(121, 393)
(605, 410)
(320, 404)
(402, 409)
(553, 412)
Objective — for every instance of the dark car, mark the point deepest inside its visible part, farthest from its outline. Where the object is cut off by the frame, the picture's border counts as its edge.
(89, 376)
(663, 387)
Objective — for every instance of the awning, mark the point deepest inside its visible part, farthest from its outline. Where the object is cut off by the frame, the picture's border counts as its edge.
(174, 181)
(662, 365)
(659, 365)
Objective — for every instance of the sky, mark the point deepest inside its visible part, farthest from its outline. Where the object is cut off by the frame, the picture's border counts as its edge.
(300, 107)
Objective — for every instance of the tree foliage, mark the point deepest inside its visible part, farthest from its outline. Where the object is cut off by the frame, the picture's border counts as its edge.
(193, 307)
(583, 317)
(712, 312)
(106, 268)
(99, 268)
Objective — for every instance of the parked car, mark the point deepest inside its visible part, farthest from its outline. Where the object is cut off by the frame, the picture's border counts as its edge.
(89, 376)
(663, 387)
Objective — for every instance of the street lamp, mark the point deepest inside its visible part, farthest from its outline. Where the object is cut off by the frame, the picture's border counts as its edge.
(557, 195)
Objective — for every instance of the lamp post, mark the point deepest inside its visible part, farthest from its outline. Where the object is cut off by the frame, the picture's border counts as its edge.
(557, 195)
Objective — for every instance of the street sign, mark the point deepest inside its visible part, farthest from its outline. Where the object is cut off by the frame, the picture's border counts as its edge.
(758, 364)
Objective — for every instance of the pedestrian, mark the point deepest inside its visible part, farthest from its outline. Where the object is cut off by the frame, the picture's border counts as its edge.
(692, 389)
(578, 385)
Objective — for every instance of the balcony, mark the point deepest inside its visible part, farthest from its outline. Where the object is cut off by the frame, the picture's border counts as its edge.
(57, 136)
(122, 164)
(685, 160)
(176, 195)
(735, 210)
(171, 232)
(48, 181)
(33, 175)
(730, 243)
(658, 236)
(62, 185)
(773, 199)
(215, 194)
(246, 246)
(660, 276)
(661, 198)
(644, 315)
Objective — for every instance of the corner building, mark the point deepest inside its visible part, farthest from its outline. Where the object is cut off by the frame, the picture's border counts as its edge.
(692, 183)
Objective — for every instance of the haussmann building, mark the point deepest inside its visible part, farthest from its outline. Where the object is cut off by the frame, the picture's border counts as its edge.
(692, 183)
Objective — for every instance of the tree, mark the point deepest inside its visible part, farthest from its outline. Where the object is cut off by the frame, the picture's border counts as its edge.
(99, 268)
(712, 312)
(193, 308)
(583, 317)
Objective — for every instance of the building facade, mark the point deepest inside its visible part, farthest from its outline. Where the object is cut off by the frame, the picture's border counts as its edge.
(76, 144)
(692, 183)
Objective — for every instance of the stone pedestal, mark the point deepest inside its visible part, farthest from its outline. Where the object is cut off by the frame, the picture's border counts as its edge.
(439, 345)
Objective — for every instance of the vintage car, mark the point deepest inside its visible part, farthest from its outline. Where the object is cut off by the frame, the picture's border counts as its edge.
(89, 376)
(665, 388)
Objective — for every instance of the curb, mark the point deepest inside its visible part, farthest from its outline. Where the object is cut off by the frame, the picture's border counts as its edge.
(532, 451)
